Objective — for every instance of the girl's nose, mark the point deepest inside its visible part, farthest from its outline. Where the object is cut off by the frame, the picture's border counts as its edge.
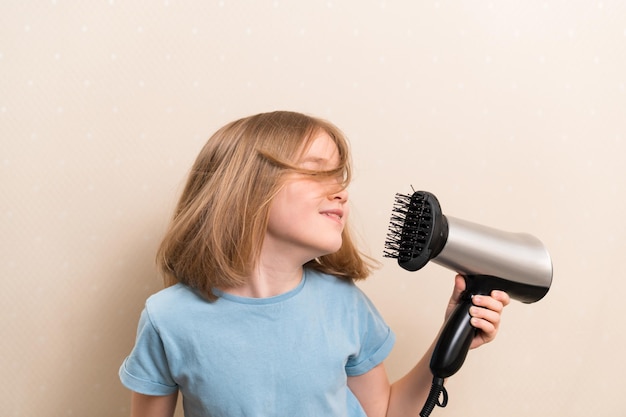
(341, 195)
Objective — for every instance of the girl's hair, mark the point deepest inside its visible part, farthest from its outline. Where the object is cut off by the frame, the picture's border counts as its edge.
(215, 236)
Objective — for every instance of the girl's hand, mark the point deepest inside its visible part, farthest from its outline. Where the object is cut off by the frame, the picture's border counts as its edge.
(486, 312)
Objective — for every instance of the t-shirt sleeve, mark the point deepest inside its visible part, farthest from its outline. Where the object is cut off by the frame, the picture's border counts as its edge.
(376, 338)
(146, 370)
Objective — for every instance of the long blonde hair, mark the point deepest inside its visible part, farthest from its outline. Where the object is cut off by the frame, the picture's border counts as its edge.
(215, 236)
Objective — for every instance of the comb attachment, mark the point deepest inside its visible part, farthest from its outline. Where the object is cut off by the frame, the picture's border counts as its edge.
(414, 220)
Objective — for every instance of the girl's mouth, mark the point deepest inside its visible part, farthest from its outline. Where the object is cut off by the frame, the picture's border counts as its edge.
(336, 215)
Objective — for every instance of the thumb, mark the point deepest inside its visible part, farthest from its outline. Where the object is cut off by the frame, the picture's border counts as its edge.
(455, 298)
(459, 287)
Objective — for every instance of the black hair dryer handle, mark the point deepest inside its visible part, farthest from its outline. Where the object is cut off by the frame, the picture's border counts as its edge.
(454, 342)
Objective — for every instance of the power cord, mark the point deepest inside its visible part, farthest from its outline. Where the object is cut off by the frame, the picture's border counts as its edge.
(436, 390)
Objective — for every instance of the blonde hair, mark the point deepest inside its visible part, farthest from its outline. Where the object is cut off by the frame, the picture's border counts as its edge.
(215, 236)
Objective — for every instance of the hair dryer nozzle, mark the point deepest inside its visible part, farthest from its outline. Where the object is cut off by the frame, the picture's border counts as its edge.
(418, 230)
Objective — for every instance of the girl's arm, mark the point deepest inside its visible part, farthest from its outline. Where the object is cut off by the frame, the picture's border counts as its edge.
(405, 397)
(408, 395)
(142, 405)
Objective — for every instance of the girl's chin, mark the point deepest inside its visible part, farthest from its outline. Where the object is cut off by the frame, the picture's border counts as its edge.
(333, 249)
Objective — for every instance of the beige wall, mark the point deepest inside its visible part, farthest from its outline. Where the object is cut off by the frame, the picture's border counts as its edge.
(512, 113)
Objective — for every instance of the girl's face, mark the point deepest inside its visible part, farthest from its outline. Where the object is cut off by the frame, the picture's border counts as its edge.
(308, 215)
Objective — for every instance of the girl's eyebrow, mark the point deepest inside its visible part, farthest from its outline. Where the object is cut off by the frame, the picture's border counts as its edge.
(314, 159)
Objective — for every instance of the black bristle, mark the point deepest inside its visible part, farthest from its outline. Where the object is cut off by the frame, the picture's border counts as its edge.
(410, 228)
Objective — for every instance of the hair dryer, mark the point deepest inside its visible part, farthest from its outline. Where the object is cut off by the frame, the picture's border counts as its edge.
(489, 259)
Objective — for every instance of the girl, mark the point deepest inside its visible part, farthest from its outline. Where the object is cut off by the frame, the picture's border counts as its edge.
(261, 316)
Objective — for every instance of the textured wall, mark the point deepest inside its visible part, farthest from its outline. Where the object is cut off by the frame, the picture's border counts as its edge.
(511, 112)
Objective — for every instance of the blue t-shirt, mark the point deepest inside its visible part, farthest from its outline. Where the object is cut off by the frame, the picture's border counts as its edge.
(288, 355)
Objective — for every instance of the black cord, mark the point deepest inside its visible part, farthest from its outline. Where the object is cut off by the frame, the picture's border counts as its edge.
(436, 390)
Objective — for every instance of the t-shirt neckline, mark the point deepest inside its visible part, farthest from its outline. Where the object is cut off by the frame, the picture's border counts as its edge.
(266, 300)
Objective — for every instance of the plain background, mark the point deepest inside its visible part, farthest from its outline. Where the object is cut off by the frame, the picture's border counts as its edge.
(512, 112)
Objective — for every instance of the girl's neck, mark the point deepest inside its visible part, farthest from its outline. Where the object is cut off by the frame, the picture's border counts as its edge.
(265, 283)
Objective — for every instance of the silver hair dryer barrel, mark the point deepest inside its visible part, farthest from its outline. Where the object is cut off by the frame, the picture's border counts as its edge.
(520, 261)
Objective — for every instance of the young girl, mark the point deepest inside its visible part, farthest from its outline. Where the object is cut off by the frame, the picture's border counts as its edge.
(261, 316)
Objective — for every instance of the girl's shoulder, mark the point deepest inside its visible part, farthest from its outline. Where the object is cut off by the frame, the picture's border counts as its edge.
(176, 290)
(174, 296)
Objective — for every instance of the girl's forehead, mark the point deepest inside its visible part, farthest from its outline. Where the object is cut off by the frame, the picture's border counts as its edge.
(320, 148)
